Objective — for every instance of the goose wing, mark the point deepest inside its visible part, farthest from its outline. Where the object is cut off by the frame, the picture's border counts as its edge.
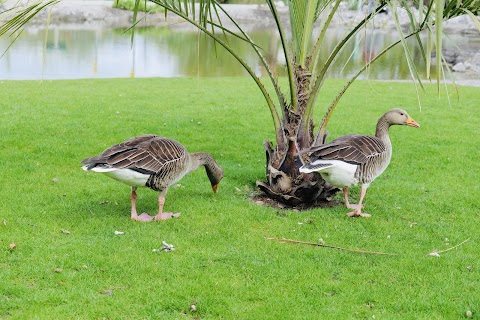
(353, 149)
(148, 154)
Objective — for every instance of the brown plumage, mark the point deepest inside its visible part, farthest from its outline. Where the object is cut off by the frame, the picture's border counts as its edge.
(154, 162)
(353, 159)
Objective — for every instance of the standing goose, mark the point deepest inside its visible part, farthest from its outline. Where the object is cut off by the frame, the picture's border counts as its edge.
(352, 159)
(154, 162)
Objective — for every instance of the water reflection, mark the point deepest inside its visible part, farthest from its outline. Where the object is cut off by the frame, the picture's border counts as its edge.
(160, 52)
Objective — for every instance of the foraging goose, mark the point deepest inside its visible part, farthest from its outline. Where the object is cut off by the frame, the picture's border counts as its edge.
(154, 162)
(353, 159)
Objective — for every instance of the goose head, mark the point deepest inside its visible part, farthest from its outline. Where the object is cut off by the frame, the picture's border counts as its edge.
(214, 171)
(215, 175)
(399, 116)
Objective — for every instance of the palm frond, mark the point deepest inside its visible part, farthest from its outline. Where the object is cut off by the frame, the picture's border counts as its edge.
(262, 58)
(415, 26)
(135, 21)
(410, 62)
(202, 24)
(473, 17)
(428, 53)
(439, 6)
(20, 16)
(287, 54)
(318, 44)
(18, 19)
(303, 15)
(11, 43)
(455, 8)
(317, 82)
(323, 126)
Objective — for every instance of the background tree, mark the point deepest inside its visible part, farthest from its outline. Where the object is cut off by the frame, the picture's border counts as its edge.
(292, 107)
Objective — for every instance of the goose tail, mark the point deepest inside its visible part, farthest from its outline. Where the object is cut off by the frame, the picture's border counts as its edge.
(315, 166)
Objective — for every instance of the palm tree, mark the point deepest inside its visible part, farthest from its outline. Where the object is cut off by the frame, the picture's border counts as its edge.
(292, 107)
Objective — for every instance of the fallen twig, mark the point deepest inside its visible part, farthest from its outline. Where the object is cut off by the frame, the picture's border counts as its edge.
(436, 253)
(327, 246)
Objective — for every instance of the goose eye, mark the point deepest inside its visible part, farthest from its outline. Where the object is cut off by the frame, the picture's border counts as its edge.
(401, 113)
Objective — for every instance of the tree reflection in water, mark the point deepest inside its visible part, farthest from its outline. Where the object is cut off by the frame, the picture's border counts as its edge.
(161, 52)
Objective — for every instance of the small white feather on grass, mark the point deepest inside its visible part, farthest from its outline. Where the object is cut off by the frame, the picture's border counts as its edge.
(166, 247)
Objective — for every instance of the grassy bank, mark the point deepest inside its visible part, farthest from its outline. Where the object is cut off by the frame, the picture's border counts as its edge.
(69, 263)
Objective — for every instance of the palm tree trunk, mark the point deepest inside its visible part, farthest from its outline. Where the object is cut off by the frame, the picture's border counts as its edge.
(284, 182)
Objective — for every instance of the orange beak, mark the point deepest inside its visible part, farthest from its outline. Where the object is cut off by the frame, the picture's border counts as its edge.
(412, 123)
(214, 187)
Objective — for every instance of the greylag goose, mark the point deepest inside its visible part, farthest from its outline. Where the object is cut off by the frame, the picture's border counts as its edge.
(352, 159)
(154, 162)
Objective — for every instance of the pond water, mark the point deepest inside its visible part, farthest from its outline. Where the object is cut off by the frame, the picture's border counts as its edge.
(162, 52)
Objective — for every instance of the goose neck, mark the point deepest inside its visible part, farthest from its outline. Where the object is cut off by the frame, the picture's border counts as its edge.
(199, 159)
(383, 127)
(214, 171)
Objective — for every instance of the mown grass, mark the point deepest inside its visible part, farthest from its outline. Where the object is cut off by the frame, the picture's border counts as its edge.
(426, 200)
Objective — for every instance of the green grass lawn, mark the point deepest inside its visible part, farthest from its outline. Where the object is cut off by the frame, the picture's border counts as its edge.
(428, 199)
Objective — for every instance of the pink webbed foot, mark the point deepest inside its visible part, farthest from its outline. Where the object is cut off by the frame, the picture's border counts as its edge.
(144, 217)
(358, 213)
(166, 216)
(354, 206)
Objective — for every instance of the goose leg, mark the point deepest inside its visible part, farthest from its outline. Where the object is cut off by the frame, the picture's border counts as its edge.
(347, 203)
(164, 215)
(358, 210)
(144, 217)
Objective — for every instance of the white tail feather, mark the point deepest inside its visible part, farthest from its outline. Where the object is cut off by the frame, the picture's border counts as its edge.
(315, 166)
(99, 169)
(127, 176)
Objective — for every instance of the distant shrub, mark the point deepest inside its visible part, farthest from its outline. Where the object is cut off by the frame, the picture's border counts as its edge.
(143, 6)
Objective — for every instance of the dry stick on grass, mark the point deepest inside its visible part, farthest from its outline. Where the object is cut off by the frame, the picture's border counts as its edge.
(437, 253)
(331, 247)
